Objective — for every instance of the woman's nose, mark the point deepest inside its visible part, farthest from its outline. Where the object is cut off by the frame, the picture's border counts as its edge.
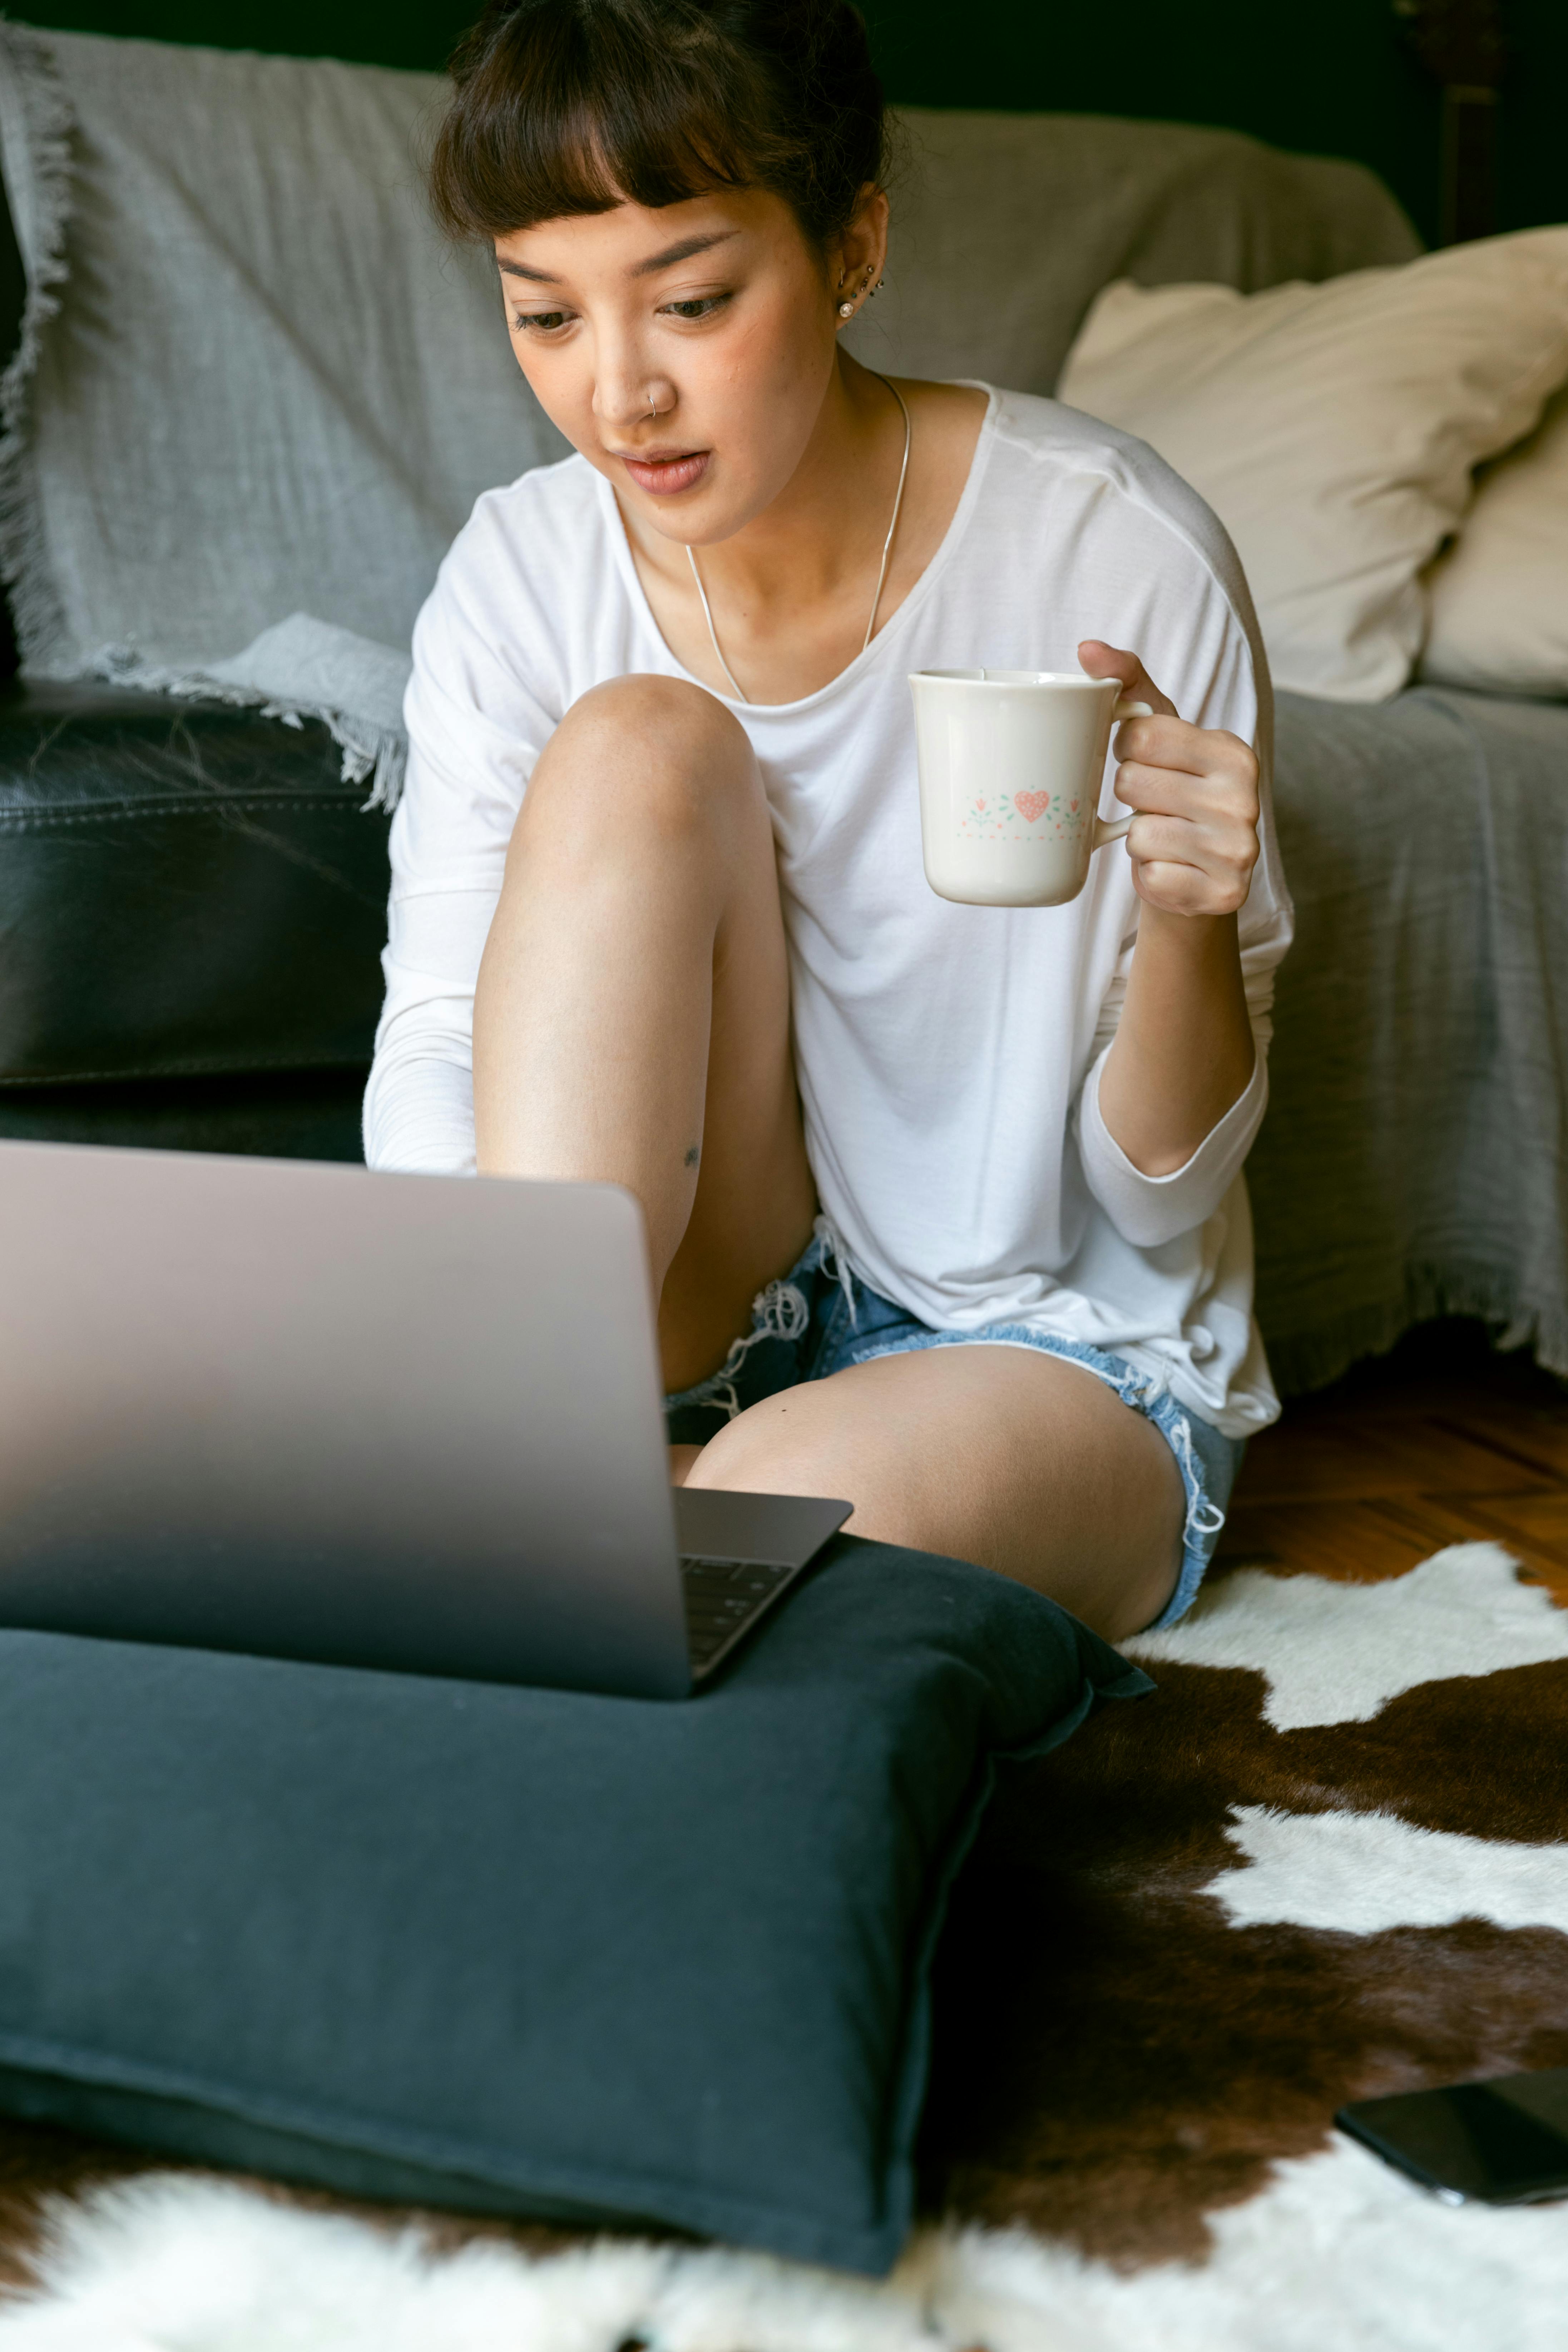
(627, 392)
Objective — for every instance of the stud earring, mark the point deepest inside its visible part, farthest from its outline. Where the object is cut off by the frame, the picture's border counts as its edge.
(866, 291)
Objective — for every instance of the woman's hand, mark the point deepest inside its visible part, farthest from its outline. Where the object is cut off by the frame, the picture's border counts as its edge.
(1183, 1051)
(1193, 842)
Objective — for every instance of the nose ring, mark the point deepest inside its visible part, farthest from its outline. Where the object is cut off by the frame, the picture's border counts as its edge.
(653, 405)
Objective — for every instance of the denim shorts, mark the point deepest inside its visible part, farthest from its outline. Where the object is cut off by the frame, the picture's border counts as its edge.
(820, 1317)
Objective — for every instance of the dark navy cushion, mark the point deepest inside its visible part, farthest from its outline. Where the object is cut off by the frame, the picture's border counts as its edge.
(523, 1950)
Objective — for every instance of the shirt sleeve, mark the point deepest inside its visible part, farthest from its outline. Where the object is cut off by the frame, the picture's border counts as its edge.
(484, 698)
(1149, 1210)
(1207, 656)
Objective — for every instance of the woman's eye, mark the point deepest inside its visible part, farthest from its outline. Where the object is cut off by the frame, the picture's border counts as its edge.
(540, 323)
(702, 306)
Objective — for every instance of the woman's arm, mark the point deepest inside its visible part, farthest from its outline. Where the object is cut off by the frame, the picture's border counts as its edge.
(476, 722)
(1184, 1051)
(419, 1102)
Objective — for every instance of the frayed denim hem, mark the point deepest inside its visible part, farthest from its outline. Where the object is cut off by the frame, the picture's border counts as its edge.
(781, 1311)
(819, 1319)
(1207, 1460)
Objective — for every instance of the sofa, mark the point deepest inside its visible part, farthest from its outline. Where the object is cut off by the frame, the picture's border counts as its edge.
(194, 891)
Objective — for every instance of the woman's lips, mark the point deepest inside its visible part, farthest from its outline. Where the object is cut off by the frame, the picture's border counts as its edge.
(665, 475)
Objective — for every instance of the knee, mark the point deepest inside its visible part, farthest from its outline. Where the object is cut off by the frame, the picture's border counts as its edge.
(669, 717)
(787, 1445)
(661, 755)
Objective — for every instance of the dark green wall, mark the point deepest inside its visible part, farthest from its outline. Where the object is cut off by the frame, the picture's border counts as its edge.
(1329, 77)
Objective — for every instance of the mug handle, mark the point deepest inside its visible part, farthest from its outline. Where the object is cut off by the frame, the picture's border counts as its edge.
(1124, 825)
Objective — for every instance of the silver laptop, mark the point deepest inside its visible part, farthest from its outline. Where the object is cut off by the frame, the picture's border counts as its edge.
(405, 1422)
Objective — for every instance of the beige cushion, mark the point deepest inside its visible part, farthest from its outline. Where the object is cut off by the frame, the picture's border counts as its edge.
(1499, 596)
(1333, 428)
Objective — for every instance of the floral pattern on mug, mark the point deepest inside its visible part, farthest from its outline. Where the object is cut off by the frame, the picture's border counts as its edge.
(1022, 817)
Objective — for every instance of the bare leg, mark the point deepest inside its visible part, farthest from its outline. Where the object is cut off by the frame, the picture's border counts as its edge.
(632, 1023)
(632, 1017)
(997, 1454)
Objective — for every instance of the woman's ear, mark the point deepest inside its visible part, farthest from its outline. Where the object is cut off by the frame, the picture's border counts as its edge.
(856, 258)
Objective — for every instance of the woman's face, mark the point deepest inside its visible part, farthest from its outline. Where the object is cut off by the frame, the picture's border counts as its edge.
(687, 351)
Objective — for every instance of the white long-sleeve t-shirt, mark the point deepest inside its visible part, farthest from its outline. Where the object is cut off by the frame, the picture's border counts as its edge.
(949, 1056)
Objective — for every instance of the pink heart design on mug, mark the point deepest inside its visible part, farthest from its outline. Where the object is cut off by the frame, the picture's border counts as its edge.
(1031, 804)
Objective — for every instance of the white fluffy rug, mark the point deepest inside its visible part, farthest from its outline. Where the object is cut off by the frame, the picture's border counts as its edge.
(1338, 2253)
(1335, 2255)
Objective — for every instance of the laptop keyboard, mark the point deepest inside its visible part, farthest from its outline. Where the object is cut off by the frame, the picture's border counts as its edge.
(722, 1596)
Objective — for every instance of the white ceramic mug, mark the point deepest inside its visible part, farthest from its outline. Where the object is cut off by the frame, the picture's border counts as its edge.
(1010, 763)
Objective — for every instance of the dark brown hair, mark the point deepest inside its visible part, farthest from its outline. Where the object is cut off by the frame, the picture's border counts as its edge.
(572, 106)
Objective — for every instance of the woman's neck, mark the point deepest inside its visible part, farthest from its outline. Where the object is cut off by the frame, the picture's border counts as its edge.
(814, 534)
(791, 593)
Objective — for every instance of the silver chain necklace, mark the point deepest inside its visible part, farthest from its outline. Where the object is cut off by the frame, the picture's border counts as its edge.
(881, 576)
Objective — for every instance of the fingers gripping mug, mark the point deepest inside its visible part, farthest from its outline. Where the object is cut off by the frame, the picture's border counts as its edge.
(1010, 768)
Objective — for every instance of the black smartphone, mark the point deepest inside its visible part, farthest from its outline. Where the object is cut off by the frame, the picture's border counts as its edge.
(1504, 2142)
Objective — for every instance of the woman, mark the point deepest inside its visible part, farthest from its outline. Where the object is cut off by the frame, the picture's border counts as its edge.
(943, 1202)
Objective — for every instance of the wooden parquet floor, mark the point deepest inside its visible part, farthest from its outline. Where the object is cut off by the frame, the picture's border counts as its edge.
(1441, 1442)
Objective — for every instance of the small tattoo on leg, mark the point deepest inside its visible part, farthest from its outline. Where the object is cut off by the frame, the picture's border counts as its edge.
(693, 1156)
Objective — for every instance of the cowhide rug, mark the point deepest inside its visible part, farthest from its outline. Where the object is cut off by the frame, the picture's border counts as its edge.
(1328, 1860)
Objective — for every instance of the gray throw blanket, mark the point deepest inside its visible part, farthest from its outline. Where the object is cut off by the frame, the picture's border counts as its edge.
(254, 386)
(1413, 1160)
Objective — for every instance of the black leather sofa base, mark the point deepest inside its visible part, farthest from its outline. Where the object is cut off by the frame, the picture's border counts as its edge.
(185, 889)
(279, 1114)
(193, 905)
